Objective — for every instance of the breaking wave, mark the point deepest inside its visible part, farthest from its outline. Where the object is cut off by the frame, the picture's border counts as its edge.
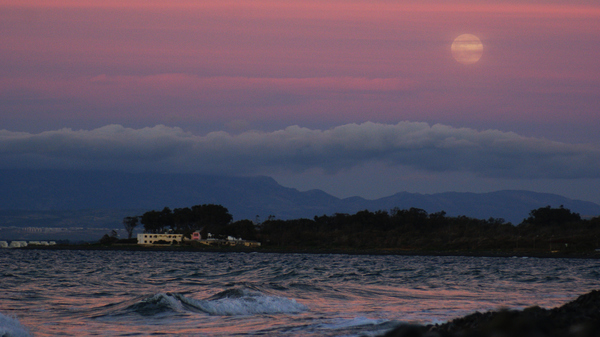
(232, 302)
(162, 303)
(10, 327)
(239, 302)
(166, 293)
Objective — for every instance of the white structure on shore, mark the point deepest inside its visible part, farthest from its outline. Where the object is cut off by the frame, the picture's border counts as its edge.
(170, 238)
(230, 241)
(42, 243)
(152, 239)
(19, 244)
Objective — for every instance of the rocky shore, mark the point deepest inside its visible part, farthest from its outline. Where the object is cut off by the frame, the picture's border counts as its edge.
(579, 318)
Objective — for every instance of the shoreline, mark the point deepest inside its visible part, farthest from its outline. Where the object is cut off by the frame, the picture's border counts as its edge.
(340, 251)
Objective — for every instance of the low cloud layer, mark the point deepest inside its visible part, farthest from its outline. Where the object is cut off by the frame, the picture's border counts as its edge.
(437, 148)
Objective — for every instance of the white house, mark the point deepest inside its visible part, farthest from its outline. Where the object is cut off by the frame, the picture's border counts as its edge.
(149, 239)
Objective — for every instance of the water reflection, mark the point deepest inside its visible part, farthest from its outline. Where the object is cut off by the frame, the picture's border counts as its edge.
(92, 292)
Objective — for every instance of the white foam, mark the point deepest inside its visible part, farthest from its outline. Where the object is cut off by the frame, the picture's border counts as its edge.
(248, 303)
(10, 327)
(169, 300)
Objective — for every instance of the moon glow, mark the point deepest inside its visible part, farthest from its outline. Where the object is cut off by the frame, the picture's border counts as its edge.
(467, 49)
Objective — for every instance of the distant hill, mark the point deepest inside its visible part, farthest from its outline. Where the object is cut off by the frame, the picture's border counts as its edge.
(245, 197)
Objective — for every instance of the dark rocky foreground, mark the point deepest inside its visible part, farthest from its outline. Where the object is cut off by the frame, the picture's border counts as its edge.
(579, 318)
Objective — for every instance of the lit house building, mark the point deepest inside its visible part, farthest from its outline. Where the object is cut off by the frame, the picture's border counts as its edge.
(170, 238)
(152, 239)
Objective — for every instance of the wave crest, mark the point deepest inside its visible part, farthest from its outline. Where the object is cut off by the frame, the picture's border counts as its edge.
(158, 304)
(239, 302)
(10, 327)
(231, 302)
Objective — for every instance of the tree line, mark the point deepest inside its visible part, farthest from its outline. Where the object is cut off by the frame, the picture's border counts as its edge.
(546, 228)
(206, 218)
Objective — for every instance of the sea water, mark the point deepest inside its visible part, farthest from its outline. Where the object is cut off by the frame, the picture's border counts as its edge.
(134, 293)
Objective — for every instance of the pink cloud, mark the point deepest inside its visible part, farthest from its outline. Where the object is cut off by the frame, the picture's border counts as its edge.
(121, 88)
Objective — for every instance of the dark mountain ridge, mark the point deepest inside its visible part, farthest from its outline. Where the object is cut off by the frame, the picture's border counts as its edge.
(246, 197)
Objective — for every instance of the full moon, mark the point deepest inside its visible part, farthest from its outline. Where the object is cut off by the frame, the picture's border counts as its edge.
(467, 49)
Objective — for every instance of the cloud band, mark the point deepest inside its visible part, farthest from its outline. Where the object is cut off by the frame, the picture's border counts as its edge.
(437, 148)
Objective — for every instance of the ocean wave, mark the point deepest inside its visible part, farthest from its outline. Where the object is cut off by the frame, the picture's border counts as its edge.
(232, 302)
(10, 327)
(244, 302)
(157, 304)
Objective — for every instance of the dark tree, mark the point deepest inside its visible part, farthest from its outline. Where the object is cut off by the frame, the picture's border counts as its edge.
(110, 239)
(183, 221)
(552, 216)
(152, 222)
(130, 224)
(244, 229)
(186, 220)
(211, 216)
(167, 218)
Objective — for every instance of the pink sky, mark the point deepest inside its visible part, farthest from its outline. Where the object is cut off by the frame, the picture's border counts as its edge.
(265, 65)
(296, 62)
